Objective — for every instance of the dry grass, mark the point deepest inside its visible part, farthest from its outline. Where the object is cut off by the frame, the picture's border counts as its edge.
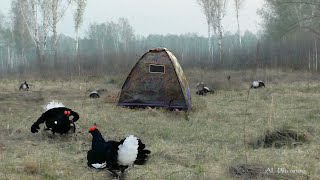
(201, 144)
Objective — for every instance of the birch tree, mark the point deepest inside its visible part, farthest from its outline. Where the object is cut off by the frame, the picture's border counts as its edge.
(207, 7)
(285, 18)
(126, 33)
(237, 4)
(217, 15)
(78, 20)
(32, 25)
(53, 11)
(45, 25)
(20, 32)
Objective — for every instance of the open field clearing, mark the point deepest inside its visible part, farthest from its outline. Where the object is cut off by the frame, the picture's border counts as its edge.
(222, 137)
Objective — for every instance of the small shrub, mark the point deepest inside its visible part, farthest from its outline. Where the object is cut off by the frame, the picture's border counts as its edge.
(30, 166)
(280, 138)
(247, 171)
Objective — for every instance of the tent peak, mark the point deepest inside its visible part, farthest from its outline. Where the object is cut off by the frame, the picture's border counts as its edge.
(158, 49)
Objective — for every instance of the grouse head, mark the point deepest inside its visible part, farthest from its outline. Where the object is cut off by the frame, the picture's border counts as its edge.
(94, 130)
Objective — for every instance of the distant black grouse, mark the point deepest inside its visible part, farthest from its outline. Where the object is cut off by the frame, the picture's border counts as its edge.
(113, 155)
(24, 86)
(57, 119)
(94, 94)
(203, 89)
(257, 84)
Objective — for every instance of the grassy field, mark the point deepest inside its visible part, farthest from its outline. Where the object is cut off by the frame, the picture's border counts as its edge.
(212, 141)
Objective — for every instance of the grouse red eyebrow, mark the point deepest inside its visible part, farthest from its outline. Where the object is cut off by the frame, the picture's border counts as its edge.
(92, 128)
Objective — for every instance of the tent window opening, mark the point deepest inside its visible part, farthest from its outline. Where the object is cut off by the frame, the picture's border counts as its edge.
(156, 68)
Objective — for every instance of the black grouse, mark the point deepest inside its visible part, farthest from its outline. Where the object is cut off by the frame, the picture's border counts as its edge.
(203, 89)
(24, 86)
(57, 119)
(114, 155)
(94, 94)
(257, 84)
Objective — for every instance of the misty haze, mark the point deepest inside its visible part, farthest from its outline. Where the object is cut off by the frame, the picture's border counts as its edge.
(170, 89)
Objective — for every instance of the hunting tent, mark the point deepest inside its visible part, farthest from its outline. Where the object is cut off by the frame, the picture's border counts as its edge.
(156, 80)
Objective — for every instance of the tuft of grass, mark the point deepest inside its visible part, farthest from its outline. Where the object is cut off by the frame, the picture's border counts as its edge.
(30, 166)
(282, 137)
(248, 171)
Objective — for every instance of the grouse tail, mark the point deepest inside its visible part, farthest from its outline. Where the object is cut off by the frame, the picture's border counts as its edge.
(143, 154)
(128, 151)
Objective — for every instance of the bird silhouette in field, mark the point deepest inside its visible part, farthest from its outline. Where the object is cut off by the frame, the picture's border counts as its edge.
(57, 119)
(257, 84)
(203, 89)
(116, 156)
(24, 86)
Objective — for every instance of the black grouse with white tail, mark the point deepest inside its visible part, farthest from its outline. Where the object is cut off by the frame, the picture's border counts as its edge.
(203, 89)
(114, 155)
(94, 94)
(57, 119)
(24, 86)
(257, 84)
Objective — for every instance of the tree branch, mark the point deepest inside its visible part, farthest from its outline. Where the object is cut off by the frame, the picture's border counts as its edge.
(294, 2)
(294, 25)
(311, 29)
(306, 18)
(29, 30)
(64, 11)
(301, 27)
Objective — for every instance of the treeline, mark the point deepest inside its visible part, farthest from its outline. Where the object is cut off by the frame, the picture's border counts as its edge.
(113, 46)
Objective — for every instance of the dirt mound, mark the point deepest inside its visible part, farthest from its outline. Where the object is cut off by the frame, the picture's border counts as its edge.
(248, 171)
(111, 99)
(280, 138)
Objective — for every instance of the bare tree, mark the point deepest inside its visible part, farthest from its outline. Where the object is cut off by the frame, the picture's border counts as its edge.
(126, 33)
(33, 25)
(45, 24)
(207, 7)
(217, 14)
(238, 4)
(55, 10)
(78, 20)
(20, 32)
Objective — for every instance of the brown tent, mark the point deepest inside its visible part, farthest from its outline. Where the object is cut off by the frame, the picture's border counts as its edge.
(156, 80)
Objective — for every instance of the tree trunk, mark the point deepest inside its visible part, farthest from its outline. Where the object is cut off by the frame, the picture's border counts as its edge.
(309, 61)
(54, 30)
(316, 54)
(45, 34)
(220, 41)
(102, 48)
(78, 54)
(8, 58)
(238, 27)
(210, 44)
(36, 34)
(2, 60)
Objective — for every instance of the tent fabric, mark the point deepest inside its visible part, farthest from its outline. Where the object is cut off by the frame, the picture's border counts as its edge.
(156, 80)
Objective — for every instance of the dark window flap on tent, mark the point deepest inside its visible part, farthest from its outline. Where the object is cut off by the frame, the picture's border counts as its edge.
(154, 68)
(161, 84)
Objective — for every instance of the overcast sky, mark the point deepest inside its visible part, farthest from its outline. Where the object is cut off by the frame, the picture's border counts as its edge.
(157, 16)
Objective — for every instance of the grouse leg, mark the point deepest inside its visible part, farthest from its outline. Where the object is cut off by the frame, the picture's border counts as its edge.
(74, 127)
(114, 173)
